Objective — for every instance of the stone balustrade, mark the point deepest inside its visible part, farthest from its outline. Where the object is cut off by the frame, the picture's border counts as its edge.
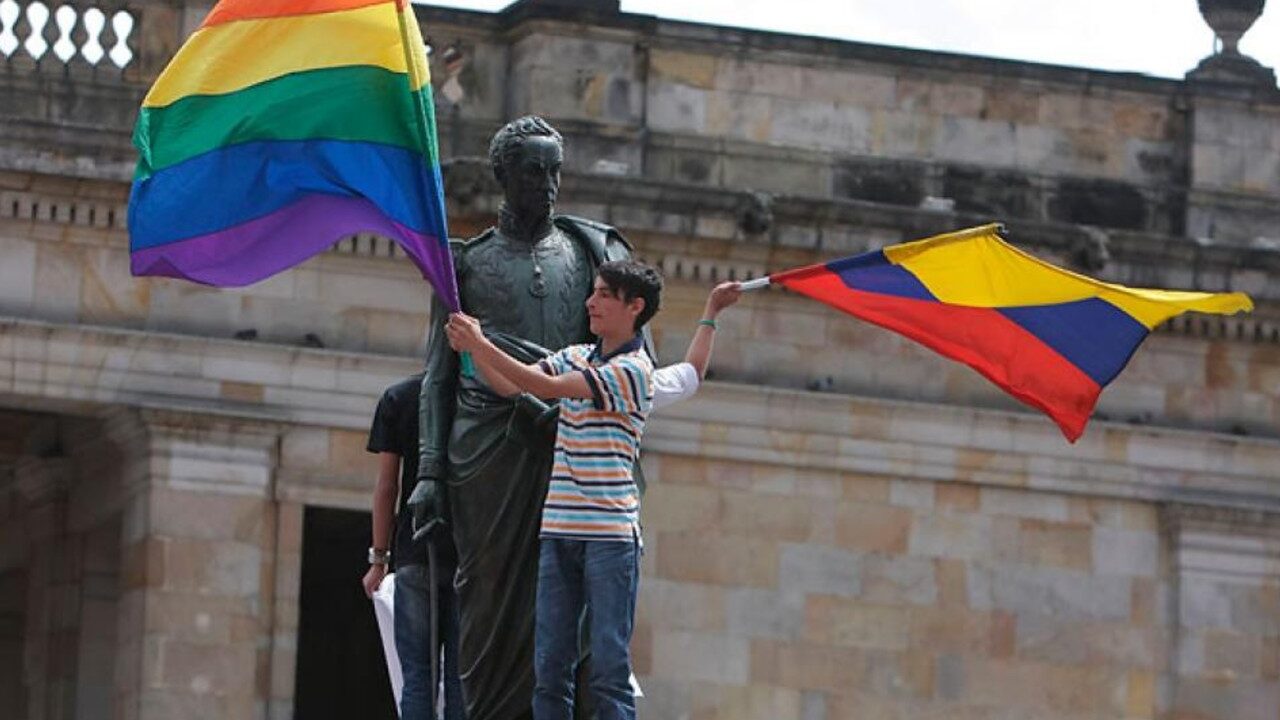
(40, 34)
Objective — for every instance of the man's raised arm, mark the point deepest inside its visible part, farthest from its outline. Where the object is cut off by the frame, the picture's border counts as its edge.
(498, 367)
(699, 353)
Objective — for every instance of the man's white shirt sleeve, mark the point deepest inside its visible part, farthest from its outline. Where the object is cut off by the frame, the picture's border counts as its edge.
(674, 383)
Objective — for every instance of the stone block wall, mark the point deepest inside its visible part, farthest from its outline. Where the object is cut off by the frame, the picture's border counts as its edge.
(809, 555)
(787, 579)
(710, 106)
(868, 109)
(197, 568)
(1236, 172)
(1228, 616)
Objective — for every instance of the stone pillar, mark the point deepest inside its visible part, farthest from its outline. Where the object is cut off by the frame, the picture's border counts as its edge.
(163, 25)
(100, 588)
(1226, 649)
(284, 650)
(52, 617)
(197, 567)
(1234, 175)
(1233, 137)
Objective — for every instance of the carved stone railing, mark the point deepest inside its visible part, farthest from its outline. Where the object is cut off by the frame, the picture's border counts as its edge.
(41, 35)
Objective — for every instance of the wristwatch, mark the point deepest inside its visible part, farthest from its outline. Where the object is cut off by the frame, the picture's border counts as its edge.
(379, 557)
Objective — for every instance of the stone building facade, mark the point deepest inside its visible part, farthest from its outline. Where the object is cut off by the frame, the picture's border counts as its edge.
(841, 525)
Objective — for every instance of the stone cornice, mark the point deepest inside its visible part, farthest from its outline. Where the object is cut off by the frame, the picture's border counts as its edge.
(179, 384)
(727, 422)
(1261, 521)
(959, 444)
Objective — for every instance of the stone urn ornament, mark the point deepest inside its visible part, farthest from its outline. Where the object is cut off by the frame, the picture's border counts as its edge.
(1230, 20)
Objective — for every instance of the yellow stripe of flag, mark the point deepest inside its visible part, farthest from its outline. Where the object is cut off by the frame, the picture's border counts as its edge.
(975, 268)
(226, 58)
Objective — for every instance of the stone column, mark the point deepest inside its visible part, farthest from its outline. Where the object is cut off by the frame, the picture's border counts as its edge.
(52, 617)
(197, 566)
(163, 25)
(1233, 137)
(1226, 649)
(284, 651)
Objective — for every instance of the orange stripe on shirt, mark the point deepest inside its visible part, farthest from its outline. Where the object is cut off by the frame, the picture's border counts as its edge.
(606, 503)
(614, 445)
(592, 528)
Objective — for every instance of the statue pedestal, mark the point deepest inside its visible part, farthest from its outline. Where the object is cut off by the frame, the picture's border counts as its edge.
(1233, 69)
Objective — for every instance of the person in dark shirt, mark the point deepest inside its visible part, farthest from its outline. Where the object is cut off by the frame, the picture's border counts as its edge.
(394, 437)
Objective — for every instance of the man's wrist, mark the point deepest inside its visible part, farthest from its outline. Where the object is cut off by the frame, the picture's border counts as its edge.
(379, 556)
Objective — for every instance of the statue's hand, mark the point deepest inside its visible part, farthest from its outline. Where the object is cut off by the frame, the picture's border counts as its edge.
(427, 505)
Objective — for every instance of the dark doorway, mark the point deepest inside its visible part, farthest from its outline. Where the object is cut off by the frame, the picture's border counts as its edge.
(341, 669)
(13, 608)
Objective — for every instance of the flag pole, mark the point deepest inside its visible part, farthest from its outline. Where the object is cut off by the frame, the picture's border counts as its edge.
(757, 284)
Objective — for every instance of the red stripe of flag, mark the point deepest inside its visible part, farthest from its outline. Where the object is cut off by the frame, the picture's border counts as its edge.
(982, 338)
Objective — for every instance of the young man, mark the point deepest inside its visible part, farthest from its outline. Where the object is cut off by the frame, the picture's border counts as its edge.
(394, 437)
(590, 537)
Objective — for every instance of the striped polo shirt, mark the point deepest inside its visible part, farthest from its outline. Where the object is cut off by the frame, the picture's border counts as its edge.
(592, 495)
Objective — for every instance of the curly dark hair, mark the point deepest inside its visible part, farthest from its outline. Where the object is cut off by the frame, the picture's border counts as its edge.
(512, 135)
(633, 279)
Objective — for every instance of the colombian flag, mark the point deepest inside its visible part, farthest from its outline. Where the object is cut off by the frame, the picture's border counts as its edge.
(1049, 337)
(280, 127)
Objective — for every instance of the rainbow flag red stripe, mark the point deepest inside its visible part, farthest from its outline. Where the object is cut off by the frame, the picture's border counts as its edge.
(280, 127)
(1049, 337)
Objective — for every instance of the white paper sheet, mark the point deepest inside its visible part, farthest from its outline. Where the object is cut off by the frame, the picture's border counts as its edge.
(384, 612)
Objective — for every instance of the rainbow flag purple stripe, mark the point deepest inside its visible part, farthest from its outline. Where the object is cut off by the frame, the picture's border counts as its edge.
(264, 142)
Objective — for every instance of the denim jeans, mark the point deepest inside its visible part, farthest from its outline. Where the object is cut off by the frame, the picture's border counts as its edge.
(603, 576)
(413, 643)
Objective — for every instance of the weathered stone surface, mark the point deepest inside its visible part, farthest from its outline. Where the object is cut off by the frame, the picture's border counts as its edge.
(899, 580)
(808, 667)
(695, 70)
(684, 606)
(905, 493)
(778, 614)
(1061, 593)
(718, 560)
(679, 108)
(873, 528)
(1126, 552)
(843, 622)
(812, 569)
(695, 656)
(752, 703)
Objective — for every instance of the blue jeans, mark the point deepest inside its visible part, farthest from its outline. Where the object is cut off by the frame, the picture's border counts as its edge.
(413, 643)
(603, 576)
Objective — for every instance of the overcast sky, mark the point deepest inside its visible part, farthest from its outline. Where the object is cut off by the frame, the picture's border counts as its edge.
(1156, 37)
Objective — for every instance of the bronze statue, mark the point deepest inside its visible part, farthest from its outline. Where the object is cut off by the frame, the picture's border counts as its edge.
(486, 458)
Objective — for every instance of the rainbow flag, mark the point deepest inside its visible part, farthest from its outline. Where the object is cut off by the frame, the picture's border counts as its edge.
(1049, 337)
(280, 127)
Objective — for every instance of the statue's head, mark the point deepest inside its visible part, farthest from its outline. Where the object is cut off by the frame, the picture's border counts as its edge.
(526, 155)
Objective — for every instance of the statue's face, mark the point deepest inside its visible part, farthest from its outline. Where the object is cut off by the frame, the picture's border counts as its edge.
(532, 176)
